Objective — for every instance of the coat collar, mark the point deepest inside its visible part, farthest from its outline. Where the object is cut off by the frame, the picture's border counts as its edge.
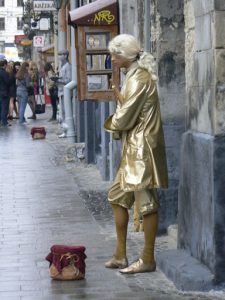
(132, 68)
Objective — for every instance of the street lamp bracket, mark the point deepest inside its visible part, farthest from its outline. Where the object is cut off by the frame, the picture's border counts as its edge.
(58, 4)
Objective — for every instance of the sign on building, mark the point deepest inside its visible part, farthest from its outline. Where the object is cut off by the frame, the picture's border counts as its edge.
(44, 24)
(38, 41)
(45, 5)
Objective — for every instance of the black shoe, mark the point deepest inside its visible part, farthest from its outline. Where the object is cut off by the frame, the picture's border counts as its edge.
(32, 117)
(52, 119)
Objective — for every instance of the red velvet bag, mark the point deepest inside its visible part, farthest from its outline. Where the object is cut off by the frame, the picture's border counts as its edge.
(38, 133)
(67, 262)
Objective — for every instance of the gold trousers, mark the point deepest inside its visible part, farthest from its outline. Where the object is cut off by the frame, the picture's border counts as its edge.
(146, 200)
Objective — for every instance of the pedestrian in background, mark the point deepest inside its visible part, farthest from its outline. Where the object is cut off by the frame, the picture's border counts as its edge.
(33, 88)
(23, 83)
(4, 93)
(52, 87)
(16, 67)
(143, 166)
(12, 90)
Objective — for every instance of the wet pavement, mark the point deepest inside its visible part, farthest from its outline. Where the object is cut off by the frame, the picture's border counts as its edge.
(46, 199)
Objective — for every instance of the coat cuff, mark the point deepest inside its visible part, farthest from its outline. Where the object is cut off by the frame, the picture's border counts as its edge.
(108, 124)
(110, 128)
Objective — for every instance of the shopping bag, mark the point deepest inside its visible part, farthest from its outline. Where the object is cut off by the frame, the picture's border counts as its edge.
(40, 104)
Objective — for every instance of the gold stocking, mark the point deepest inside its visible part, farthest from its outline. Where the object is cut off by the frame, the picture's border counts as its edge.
(121, 218)
(150, 223)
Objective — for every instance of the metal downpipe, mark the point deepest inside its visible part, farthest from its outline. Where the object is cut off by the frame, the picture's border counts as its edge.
(69, 87)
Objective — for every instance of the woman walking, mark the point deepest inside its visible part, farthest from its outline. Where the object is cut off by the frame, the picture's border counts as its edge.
(12, 90)
(33, 89)
(143, 166)
(16, 67)
(23, 83)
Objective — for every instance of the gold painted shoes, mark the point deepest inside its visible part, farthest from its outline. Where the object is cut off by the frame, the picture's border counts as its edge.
(139, 267)
(115, 263)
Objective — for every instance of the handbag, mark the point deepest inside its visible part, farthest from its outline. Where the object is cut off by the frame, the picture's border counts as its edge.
(30, 91)
(54, 91)
(40, 104)
(67, 262)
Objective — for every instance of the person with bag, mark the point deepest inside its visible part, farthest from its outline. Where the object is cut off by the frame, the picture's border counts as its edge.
(39, 95)
(53, 89)
(33, 89)
(16, 67)
(143, 167)
(4, 93)
(12, 70)
(23, 82)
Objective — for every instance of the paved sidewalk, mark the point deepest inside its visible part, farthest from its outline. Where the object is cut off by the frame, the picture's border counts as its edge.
(45, 200)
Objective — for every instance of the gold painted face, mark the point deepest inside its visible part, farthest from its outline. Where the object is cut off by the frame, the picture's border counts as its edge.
(120, 61)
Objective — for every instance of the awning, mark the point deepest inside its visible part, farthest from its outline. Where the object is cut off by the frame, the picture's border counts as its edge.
(97, 13)
(49, 49)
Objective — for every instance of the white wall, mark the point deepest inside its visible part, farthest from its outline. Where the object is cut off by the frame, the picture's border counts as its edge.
(10, 12)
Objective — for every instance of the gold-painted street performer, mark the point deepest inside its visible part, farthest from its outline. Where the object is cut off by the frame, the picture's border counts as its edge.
(143, 166)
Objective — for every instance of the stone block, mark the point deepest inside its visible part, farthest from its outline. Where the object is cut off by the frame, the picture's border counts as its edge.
(219, 110)
(219, 106)
(170, 10)
(173, 134)
(219, 4)
(218, 29)
(203, 36)
(168, 202)
(200, 109)
(219, 183)
(189, 15)
(172, 232)
(172, 105)
(203, 68)
(219, 64)
(186, 272)
(202, 7)
(201, 210)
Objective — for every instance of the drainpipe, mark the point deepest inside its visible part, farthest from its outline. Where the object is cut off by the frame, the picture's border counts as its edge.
(69, 87)
(147, 26)
(69, 121)
(62, 29)
(55, 20)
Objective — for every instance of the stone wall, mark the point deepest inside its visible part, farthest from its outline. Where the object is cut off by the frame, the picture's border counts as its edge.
(167, 44)
(167, 23)
(201, 218)
(205, 59)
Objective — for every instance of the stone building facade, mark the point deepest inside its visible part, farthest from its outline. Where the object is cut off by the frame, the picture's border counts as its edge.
(201, 221)
(187, 39)
(188, 42)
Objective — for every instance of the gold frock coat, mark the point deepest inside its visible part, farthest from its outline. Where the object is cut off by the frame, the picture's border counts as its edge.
(137, 119)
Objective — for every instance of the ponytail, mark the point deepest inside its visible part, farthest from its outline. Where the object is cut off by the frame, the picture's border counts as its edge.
(128, 47)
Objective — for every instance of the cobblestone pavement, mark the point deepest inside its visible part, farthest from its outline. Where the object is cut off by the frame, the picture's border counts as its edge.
(46, 199)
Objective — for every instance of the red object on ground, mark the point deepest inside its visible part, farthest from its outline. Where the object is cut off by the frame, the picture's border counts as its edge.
(38, 132)
(59, 253)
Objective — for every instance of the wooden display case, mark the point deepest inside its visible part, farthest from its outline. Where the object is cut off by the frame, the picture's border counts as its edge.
(96, 25)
